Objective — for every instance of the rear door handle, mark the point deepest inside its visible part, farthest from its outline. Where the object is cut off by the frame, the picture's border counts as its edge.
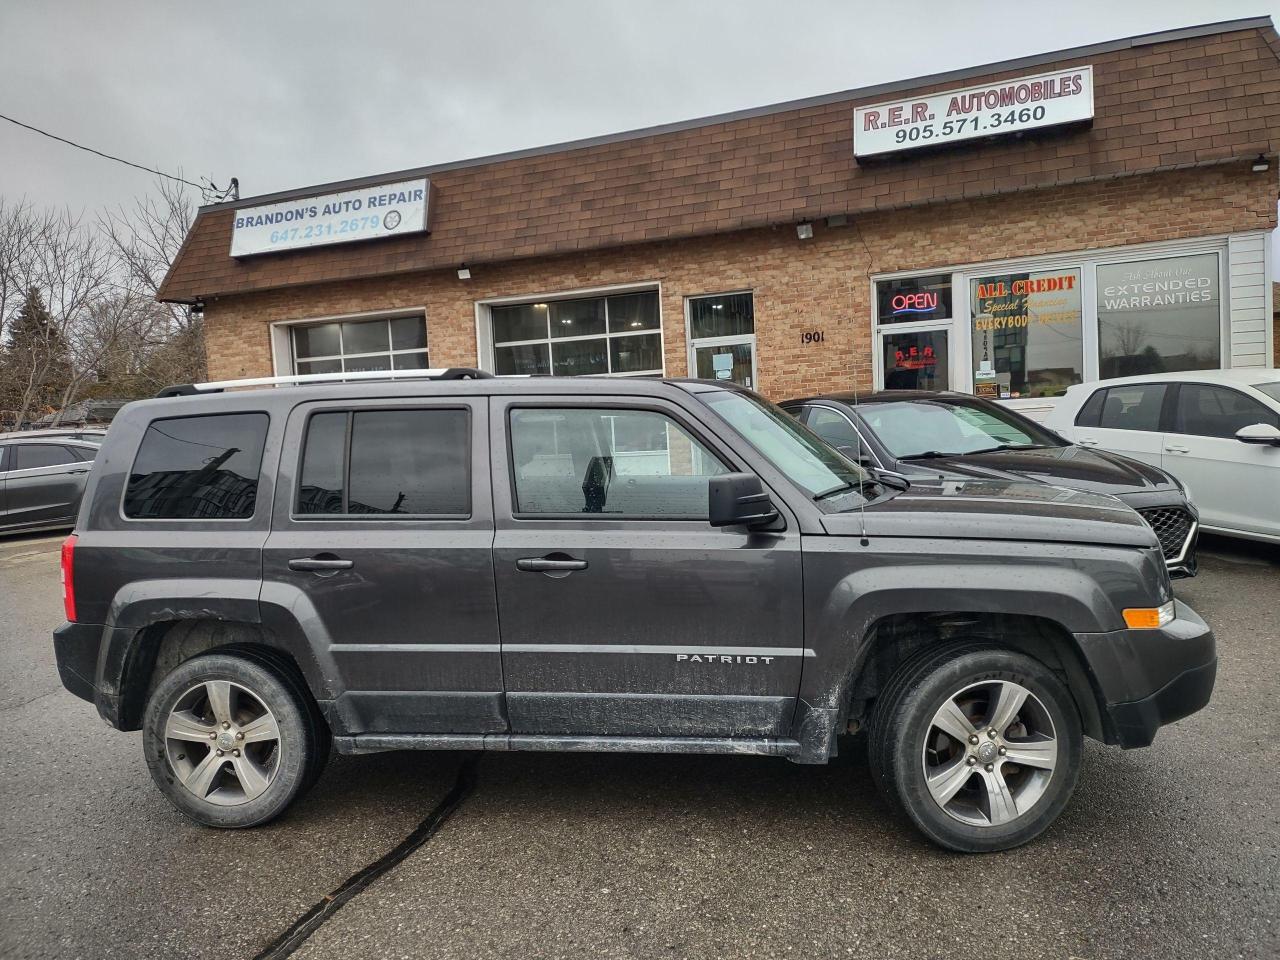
(1176, 450)
(550, 565)
(320, 563)
(79, 470)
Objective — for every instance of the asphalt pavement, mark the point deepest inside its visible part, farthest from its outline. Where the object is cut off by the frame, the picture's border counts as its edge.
(1173, 851)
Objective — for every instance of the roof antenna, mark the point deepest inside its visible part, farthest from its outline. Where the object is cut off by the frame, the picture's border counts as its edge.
(862, 507)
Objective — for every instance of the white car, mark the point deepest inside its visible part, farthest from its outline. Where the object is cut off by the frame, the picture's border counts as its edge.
(1216, 431)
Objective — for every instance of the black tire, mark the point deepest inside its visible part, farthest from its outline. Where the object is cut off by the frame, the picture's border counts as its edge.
(291, 761)
(901, 729)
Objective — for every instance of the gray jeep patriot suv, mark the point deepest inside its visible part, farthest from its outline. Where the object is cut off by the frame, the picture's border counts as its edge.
(459, 561)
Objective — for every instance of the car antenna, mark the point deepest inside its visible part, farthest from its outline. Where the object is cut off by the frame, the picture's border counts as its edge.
(862, 507)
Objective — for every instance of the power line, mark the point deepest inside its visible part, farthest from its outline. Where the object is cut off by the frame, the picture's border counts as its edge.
(210, 187)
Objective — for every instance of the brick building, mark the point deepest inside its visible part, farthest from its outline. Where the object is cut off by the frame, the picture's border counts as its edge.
(1008, 230)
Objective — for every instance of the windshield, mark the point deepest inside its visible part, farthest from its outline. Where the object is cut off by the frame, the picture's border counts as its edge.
(919, 428)
(1272, 390)
(832, 480)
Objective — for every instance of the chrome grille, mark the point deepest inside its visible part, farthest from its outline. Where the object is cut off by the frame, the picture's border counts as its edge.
(1172, 526)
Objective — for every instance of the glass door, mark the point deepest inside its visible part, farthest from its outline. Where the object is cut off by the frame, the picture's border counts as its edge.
(913, 324)
(917, 360)
(722, 338)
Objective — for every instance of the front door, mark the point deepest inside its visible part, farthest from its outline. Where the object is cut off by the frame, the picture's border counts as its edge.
(380, 545)
(1235, 484)
(1130, 422)
(623, 611)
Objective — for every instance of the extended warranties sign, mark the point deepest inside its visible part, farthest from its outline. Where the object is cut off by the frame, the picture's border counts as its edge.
(364, 214)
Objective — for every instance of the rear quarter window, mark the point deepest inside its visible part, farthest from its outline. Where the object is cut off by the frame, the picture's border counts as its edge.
(1088, 414)
(197, 468)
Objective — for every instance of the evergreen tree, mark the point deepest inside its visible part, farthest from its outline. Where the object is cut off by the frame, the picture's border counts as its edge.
(36, 366)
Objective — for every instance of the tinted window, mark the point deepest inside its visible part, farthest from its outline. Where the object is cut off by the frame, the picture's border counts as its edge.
(727, 315)
(198, 468)
(400, 462)
(28, 456)
(1135, 407)
(636, 463)
(832, 427)
(1092, 410)
(1206, 411)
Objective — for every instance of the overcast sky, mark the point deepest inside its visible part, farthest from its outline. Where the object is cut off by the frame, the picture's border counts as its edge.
(285, 94)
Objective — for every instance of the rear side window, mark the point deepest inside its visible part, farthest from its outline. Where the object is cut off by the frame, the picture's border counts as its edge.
(403, 463)
(1205, 411)
(28, 456)
(1092, 410)
(1135, 407)
(197, 468)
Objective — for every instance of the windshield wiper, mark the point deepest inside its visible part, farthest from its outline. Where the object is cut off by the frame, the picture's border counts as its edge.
(838, 488)
(930, 455)
(1007, 446)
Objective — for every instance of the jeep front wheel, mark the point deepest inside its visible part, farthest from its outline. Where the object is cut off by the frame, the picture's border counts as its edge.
(979, 745)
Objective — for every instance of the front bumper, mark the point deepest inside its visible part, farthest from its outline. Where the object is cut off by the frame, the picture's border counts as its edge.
(75, 645)
(1148, 678)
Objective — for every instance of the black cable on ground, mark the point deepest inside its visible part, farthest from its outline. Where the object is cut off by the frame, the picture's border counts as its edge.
(311, 921)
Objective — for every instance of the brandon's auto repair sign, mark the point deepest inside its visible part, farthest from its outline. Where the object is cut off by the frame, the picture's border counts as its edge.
(362, 214)
(1010, 106)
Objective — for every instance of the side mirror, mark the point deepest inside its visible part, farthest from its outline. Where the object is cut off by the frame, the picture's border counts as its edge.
(1262, 434)
(860, 457)
(739, 499)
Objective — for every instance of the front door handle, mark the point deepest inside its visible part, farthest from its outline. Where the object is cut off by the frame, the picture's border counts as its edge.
(1172, 449)
(562, 564)
(78, 470)
(1087, 442)
(320, 563)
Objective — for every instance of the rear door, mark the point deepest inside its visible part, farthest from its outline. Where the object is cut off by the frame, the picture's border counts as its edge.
(1127, 419)
(1236, 485)
(380, 544)
(44, 483)
(623, 611)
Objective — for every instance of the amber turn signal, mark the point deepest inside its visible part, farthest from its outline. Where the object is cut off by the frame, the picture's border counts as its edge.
(1148, 618)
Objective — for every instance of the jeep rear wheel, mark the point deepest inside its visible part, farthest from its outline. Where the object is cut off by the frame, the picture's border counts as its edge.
(228, 742)
(979, 745)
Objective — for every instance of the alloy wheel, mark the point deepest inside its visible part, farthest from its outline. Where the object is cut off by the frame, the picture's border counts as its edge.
(222, 742)
(989, 753)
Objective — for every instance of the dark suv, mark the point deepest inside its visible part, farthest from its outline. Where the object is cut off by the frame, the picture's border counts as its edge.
(478, 563)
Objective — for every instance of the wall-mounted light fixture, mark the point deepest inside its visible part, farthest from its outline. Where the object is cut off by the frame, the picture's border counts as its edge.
(464, 272)
(196, 310)
(804, 230)
(1260, 164)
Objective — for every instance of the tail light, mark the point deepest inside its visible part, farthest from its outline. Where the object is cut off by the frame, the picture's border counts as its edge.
(68, 577)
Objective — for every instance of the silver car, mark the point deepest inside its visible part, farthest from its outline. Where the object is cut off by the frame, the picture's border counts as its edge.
(42, 479)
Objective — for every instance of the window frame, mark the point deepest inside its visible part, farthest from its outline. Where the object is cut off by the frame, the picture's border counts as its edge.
(350, 410)
(486, 344)
(599, 404)
(266, 472)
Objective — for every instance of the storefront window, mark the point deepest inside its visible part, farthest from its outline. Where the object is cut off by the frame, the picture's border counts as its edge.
(354, 346)
(1027, 333)
(914, 299)
(1159, 316)
(586, 335)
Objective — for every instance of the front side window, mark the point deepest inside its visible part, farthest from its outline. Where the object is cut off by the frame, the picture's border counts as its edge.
(358, 346)
(589, 335)
(1134, 407)
(921, 428)
(1207, 411)
(832, 480)
(1272, 390)
(631, 463)
(28, 456)
(1157, 316)
(197, 468)
(1028, 338)
(401, 463)
(833, 427)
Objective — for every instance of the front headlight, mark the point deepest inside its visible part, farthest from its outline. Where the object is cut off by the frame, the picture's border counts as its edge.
(1149, 618)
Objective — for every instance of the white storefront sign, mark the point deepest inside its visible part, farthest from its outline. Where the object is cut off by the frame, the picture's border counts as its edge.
(1010, 106)
(385, 210)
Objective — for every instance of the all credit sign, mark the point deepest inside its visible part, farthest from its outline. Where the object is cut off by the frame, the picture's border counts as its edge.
(365, 213)
(1011, 106)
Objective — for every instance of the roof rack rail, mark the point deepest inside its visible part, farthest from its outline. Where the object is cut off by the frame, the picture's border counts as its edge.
(295, 379)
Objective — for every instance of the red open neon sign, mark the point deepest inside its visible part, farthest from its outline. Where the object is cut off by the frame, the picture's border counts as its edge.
(923, 302)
